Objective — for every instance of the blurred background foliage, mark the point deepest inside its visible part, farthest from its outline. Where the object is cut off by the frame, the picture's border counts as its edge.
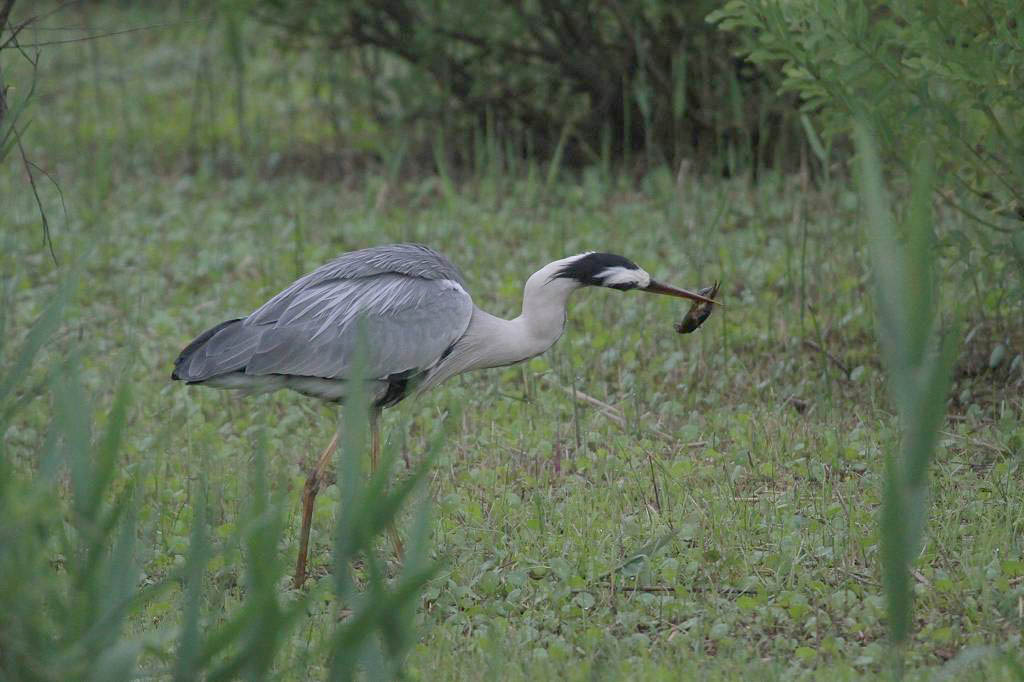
(650, 82)
(466, 88)
(944, 75)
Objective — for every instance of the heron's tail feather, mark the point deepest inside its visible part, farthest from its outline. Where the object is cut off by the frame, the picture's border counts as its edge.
(224, 348)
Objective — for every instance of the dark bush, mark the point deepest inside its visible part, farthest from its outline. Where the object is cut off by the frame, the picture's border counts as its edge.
(589, 81)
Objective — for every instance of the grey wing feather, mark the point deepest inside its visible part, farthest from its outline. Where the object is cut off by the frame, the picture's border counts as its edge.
(413, 260)
(409, 298)
(412, 336)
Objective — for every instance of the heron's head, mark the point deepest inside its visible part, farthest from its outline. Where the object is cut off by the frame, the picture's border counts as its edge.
(615, 272)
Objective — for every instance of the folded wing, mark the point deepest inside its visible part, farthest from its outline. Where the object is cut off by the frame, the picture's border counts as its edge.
(407, 299)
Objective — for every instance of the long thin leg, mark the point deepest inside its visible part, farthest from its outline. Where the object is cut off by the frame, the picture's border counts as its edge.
(374, 438)
(309, 492)
(396, 539)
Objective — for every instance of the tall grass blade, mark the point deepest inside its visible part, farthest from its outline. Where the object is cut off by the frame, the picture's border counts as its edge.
(918, 359)
(262, 623)
(441, 165)
(378, 629)
(38, 335)
(555, 165)
(188, 654)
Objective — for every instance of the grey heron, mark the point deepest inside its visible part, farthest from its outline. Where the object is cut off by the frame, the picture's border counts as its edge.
(420, 322)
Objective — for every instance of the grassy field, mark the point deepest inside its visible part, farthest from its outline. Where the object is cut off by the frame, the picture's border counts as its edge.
(717, 521)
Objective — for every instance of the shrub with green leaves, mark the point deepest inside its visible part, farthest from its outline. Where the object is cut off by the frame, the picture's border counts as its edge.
(949, 75)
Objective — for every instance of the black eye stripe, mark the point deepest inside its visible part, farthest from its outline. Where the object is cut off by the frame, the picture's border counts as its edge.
(586, 269)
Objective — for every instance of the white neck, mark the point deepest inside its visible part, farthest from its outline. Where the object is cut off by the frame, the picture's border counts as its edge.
(490, 341)
(539, 326)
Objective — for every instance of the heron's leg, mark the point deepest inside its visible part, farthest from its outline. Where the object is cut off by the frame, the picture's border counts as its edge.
(374, 438)
(396, 539)
(309, 492)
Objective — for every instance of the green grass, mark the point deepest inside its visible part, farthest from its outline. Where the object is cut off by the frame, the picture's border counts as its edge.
(730, 528)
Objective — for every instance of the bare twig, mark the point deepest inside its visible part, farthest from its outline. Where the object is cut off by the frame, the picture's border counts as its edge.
(5, 12)
(11, 128)
(629, 588)
(609, 411)
(860, 577)
(56, 186)
(654, 483)
(723, 591)
(82, 39)
(836, 361)
(604, 408)
(16, 30)
(35, 193)
(995, 447)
